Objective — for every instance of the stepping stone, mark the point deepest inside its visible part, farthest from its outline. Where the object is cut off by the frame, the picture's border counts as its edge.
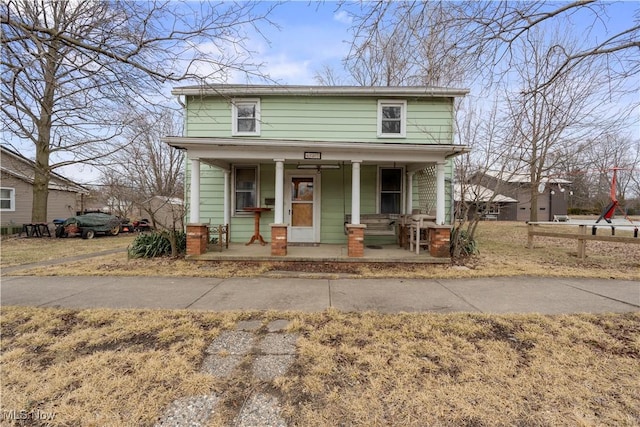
(261, 410)
(277, 325)
(249, 325)
(220, 366)
(278, 344)
(189, 412)
(269, 367)
(232, 342)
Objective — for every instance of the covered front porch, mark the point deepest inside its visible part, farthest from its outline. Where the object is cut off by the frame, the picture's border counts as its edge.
(319, 197)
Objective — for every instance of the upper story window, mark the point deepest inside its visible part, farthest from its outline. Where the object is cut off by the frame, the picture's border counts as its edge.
(392, 117)
(7, 199)
(246, 117)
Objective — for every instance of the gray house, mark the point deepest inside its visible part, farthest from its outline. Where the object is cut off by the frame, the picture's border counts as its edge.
(16, 191)
(552, 194)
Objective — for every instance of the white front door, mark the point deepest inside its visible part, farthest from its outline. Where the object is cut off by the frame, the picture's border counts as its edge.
(302, 196)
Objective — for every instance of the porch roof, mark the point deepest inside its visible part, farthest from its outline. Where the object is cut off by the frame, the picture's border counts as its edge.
(223, 151)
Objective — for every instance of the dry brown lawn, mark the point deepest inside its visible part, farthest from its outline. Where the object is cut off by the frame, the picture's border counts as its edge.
(502, 252)
(123, 367)
(19, 251)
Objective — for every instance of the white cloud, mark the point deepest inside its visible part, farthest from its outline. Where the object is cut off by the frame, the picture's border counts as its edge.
(343, 17)
(288, 70)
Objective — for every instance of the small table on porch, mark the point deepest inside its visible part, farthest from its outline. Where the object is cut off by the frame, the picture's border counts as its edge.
(256, 224)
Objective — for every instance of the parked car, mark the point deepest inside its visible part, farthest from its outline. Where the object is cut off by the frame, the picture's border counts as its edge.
(88, 225)
(142, 225)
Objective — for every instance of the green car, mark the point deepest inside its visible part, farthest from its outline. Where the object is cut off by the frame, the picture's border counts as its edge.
(88, 225)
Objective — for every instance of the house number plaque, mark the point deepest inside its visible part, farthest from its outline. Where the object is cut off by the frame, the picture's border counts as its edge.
(313, 155)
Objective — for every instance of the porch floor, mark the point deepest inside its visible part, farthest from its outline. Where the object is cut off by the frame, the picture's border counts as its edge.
(321, 253)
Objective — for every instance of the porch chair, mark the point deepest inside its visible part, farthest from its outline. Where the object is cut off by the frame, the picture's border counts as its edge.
(222, 232)
(419, 232)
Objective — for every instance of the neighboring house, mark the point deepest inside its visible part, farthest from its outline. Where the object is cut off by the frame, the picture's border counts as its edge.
(313, 155)
(16, 199)
(473, 198)
(164, 212)
(552, 194)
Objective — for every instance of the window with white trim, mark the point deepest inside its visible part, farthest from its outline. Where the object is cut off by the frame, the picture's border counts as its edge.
(245, 188)
(392, 118)
(390, 190)
(7, 199)
(246, 117)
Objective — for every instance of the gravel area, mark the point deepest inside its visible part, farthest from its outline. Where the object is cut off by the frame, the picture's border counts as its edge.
(232, 342)
(261, 410)
(269, 367)
(220, 366)
(277, 325)
(278, 344)
(272, 353)
(189, 412)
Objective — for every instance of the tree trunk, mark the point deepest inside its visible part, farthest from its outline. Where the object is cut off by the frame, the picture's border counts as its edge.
(533, 215)
(42, 171)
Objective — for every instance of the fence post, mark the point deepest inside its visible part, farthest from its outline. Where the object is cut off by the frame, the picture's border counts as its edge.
(530, 236)
(582, 243)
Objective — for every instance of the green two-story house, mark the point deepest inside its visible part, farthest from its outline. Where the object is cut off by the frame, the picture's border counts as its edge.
(315, 159)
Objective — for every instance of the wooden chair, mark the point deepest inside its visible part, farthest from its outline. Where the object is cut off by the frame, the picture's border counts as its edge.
(419, 233)
(222, 232)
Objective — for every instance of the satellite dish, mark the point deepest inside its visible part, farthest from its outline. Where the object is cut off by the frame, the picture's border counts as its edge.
(541, 187)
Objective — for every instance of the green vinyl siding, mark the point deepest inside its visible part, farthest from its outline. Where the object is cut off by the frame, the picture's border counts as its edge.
(429, 121)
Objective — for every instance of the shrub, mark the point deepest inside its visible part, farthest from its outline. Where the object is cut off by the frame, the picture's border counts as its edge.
(158, 243)
(462, 244)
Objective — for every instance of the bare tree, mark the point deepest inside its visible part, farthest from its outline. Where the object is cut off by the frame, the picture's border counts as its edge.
(549, 119)
(403, 43)
(69, 65)
(485, 33)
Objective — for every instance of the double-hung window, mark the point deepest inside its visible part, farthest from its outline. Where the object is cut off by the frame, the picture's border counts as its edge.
(7, 199)
(245, 188)
(246, 117)
(392, 118)
(390, 190)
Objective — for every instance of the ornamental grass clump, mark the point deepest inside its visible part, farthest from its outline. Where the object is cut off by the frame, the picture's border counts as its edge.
(157, 244)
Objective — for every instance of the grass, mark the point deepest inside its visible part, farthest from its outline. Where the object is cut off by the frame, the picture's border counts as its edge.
(502, 246)
(123, 367)
(20, 251)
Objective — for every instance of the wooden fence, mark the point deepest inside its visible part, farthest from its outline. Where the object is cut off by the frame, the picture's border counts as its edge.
(534, 229)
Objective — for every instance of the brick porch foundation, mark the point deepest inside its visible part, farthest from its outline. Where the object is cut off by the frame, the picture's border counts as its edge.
(355, 240)
(197, 238)
(439, 241)
(278, 239)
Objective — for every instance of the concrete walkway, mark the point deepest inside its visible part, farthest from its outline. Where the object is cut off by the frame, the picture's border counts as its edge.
(485, 295)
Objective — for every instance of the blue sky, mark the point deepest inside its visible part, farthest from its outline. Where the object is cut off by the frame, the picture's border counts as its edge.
(316, 33)
(311, 35)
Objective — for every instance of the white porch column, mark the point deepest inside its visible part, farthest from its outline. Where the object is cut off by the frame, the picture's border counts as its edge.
(278, 216)
(409, 195)
(355, 191)
(225, 199)
(440, 199)
(194, 210)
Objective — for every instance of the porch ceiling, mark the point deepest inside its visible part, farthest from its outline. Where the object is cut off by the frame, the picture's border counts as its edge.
(223, 151)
